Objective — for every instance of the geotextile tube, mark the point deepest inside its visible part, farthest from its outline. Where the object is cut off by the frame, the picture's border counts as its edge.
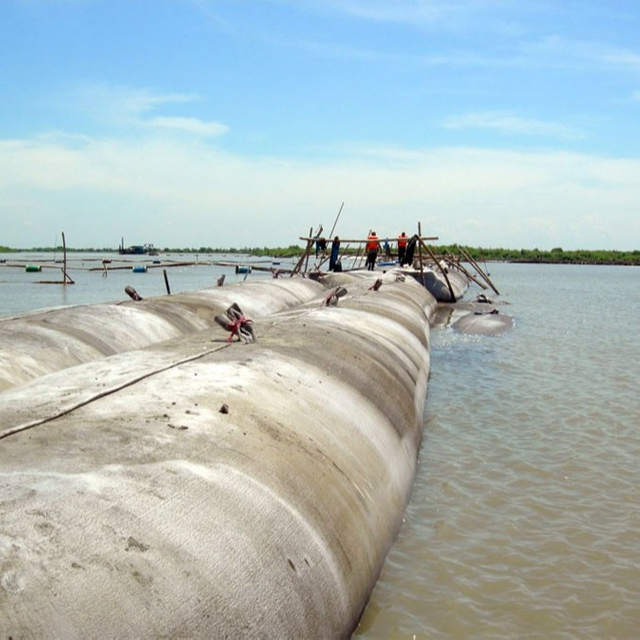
(200, 488)
(42, 342)
(440, 287)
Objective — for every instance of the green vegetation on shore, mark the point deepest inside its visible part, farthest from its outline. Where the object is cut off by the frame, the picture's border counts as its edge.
(555, 256)
(481, 254)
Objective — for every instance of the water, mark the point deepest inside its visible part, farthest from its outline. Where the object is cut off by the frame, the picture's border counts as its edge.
(21, 291)
(525, 515)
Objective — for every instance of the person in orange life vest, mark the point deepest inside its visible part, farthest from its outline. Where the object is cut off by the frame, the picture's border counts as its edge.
(402, 247)
(372, 247)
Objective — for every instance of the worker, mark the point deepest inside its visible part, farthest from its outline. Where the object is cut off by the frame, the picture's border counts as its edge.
(402, 247)
(372, 247)
(411, 249)
(321, 243)
(335, 251)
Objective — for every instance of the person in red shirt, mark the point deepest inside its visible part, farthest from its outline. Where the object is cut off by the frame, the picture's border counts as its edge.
(402, 247)
(372, 247)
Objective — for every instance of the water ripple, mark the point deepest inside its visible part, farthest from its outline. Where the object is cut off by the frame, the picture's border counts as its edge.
(525, 514)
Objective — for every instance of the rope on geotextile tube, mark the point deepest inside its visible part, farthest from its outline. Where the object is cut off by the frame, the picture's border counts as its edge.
(106, 392)
(237, 323)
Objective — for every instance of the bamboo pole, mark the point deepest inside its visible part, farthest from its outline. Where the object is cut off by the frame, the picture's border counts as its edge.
(341, 253)
(66, 276)
(355, 260)
(478, 268)
(310, 245)
(442, 270)
(420, 245)
(322, 261)
(298, 266)
(166, 281)
(305, 254)
(336, 221)
(469, 275)
(307, 239)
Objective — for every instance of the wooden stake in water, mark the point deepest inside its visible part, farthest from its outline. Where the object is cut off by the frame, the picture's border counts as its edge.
(66, 277)
(477, 267)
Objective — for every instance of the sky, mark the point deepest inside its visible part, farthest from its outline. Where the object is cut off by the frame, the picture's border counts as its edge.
(245, 123)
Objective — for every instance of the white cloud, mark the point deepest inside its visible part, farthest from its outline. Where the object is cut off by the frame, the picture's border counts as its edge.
(512, 124)
(402, 11)
(411, 12)
(180, 192)
(621, 58)
(118, 103)
(124, 107)
(560, 51)
(189, 125)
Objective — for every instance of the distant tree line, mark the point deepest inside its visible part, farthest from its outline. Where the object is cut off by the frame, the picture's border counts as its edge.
(557, 255)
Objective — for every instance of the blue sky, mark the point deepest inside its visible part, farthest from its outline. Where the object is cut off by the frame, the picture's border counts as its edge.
(189, 123)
